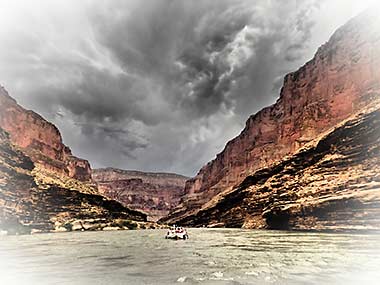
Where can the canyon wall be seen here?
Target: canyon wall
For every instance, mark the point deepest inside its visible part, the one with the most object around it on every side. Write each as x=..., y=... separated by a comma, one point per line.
x=153, y=193
x=333, y=183
x=41, y=140
x=341, y=79
x=54, y=164
x=26, y=206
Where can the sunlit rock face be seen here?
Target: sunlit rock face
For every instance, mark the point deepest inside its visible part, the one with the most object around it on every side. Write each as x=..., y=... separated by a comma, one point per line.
x=153, y=193
x=40, y=139
x=341, y=79
x=25, y=205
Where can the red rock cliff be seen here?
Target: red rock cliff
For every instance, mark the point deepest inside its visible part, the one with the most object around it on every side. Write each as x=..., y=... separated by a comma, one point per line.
x=333, y=183
x=342, y=78
x=26, y=206
x=154, y=193
x=40, y=139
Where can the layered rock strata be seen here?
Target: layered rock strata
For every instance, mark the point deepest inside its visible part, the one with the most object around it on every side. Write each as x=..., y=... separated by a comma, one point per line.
x=54, y=165
x=41, y=140
x=332, y=184
x=153, y=193
x=341, y=79
x=27, y=206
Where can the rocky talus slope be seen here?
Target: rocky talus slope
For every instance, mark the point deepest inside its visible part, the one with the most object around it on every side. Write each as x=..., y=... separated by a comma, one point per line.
x=333, y=183
x=341, y=79
x=26, y=206
x=153, y=193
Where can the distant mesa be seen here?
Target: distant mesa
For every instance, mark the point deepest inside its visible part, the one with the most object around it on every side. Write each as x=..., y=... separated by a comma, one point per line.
x=153, y=193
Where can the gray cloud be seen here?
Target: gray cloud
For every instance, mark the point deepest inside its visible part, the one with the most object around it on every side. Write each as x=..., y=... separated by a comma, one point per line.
x=157, y=85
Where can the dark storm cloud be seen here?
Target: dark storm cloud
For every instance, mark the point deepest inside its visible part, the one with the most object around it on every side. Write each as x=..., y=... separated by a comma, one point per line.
x=157, y=84
x=196, y=49
x=126, y=141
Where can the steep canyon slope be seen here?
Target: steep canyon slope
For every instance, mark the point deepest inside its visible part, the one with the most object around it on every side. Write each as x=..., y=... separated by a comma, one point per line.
x=41, y=141
x=333, y=183
x=25, y=205
x=342, y=79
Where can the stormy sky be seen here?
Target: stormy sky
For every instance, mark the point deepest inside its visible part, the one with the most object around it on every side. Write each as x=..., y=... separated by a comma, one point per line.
x=157, y=85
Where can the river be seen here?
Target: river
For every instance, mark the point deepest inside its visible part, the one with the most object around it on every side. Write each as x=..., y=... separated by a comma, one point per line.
x=210, y=256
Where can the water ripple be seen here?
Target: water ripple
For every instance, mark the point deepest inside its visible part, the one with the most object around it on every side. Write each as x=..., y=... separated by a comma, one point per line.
x=211, y=256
